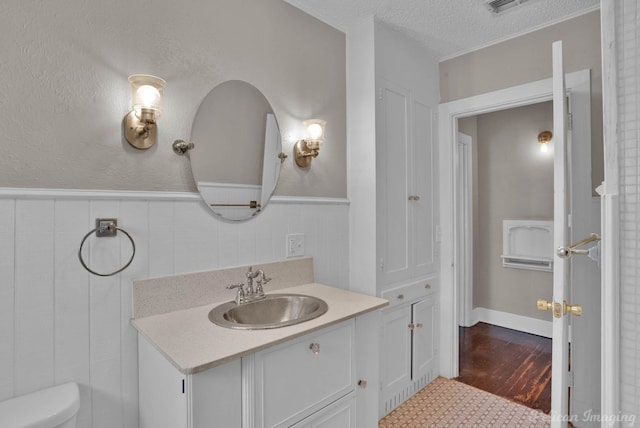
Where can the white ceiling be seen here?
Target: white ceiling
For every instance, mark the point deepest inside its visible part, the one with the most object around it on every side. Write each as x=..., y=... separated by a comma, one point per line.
x=447, y=27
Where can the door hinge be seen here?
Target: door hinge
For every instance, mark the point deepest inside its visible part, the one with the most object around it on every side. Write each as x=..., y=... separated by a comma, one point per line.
x=381, y=94
x=570, y=121
x=571, y=379
x=381, y=265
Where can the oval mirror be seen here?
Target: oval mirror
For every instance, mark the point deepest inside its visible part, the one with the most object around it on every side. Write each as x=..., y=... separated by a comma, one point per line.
x=235, y=160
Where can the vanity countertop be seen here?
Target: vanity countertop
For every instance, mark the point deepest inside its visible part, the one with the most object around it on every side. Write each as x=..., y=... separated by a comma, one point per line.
x=193, y=343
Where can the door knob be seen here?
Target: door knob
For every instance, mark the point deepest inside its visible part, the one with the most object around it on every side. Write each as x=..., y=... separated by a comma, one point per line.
x=544, y=305
x=574, y=309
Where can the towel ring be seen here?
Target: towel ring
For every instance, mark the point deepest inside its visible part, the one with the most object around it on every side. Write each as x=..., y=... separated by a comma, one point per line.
x=103, y=228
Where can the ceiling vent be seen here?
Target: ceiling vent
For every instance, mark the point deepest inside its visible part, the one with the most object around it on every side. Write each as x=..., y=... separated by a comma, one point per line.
x=497, y=6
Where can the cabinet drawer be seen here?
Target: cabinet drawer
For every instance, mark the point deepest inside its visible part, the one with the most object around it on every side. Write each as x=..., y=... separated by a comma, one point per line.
x=295, y=379
x=412, y=291
x=340, y=414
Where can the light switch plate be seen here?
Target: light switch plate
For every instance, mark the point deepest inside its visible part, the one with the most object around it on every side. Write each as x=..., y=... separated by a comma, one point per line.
x=295, y=245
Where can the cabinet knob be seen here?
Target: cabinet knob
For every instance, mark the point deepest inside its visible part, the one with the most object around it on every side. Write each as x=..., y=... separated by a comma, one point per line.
x=362, y=383
x=427, y=286
x=315, y=348
x=419, y=325
x=411, y=326
x=400, y=296
x=416, y=198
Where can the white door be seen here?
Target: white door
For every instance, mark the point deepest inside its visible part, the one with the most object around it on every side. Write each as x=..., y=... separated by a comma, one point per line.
x=578, y=279
x=560, y=348
x=464, y=231
x=561, y=281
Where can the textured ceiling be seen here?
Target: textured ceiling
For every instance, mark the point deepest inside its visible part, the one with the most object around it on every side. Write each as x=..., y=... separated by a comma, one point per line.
x=447, y=27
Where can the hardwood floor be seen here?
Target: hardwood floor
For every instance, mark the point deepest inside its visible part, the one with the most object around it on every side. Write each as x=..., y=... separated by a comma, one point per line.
x=507, y=363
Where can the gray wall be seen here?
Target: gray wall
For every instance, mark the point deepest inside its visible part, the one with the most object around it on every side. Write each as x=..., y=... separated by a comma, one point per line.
x=64, y=89
x=514, y=182
x=528, y=58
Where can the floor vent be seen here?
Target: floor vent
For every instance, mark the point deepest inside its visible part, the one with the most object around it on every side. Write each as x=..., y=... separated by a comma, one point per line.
x=497, y=6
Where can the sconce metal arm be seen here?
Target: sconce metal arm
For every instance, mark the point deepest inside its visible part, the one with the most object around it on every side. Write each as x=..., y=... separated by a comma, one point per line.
x=181, y=147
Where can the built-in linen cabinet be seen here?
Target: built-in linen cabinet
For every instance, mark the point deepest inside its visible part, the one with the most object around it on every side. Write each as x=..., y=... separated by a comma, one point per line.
x=308, y=381
x=406, y=180
x=406, y=238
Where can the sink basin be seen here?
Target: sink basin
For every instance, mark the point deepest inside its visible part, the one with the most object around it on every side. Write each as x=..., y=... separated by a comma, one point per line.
x=275, y=310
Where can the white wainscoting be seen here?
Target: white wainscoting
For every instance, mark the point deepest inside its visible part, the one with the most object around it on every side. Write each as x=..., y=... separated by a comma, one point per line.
x=59, y=323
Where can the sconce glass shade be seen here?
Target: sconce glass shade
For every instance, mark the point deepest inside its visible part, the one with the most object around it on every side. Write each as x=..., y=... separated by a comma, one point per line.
x=146, y=106
x=307, y=148
x=315, y=133
x=146, y=93
x=544, y=138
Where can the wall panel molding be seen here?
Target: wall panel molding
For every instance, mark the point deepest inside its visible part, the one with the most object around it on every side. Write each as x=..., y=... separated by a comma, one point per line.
x=80, y=194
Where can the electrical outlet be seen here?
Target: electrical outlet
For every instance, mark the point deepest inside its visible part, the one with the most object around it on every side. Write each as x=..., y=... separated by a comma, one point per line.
x=295, y=245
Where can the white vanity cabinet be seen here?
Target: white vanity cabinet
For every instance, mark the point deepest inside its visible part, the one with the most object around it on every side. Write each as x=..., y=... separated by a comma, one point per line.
x=309, y=381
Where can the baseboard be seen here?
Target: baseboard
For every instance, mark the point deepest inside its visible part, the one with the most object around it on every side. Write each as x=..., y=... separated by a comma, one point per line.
x=512, y=321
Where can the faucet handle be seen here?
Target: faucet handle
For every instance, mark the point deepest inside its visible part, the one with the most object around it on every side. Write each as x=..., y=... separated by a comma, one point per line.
x=240, y=294
x=260, y=281
x=232, y=286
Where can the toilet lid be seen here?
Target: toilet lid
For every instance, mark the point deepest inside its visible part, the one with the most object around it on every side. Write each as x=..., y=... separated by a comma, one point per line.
x=41, y=409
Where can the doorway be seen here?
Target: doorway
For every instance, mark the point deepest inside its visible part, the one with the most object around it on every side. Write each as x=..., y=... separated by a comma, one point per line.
x=505, y=195
x=586, y=331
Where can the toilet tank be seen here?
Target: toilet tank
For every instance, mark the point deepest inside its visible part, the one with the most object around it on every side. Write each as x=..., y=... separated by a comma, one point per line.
x=54, y=407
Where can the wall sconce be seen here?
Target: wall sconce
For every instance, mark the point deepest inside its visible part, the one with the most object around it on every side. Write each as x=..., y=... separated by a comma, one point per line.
x=308, y=148
x=146, y=106
x=544, y=138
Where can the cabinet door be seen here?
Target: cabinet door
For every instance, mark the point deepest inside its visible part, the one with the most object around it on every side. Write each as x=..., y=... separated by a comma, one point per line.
x=393, y=187
x=341, y=414
x=425, y=318
x=395, y=364
x=406, y=185
x=162, y=390
x=293, y=380
x=216, y=396
x=423, y=204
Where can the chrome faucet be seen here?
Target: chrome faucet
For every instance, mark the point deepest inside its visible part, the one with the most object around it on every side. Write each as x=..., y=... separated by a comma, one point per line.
x=248, y=293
